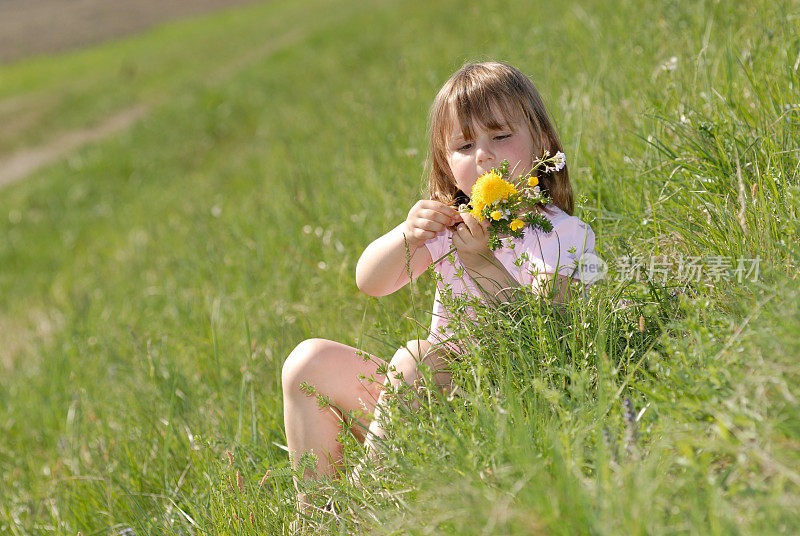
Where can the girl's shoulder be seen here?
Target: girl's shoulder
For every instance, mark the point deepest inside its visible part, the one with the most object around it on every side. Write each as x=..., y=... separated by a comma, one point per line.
x=567, y=232
x=560, y=249
x=563, y=222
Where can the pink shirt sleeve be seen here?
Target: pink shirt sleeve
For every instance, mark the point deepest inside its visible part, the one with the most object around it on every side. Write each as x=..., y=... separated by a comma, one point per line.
x=559, y=250
x=439, y=244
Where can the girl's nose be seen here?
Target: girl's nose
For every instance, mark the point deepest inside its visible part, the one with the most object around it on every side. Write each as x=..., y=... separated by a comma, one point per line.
x=484, y=154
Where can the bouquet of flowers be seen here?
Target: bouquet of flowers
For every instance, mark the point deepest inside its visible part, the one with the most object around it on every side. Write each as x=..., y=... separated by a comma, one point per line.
x=509, y=206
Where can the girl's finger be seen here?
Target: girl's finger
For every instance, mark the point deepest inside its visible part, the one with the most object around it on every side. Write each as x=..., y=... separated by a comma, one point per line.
x=473, y=225
x=441, y=208
x=465, y=235
x=453, y=218
x=458, y=240
x=431, y=225
x=432, y=209
x=433, y=215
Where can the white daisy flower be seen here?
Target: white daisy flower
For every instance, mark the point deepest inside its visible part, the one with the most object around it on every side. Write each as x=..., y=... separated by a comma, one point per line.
x=671, y=64
x=560, y=160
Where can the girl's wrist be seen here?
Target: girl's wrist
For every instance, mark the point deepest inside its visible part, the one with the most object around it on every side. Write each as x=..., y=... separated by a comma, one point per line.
x=479, y=262
x=408, y=238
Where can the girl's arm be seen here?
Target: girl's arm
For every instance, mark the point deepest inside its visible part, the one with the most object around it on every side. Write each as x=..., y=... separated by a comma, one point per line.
x=497, y=284
x=558, y=289
x=384, y=266
x=491, y=277
x=493, y=280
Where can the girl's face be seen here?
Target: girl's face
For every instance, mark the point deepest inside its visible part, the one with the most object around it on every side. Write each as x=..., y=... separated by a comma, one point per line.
x=471, y=158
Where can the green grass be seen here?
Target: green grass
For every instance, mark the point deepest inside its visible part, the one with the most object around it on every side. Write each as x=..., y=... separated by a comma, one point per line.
x=56, y=93
x=150, y=287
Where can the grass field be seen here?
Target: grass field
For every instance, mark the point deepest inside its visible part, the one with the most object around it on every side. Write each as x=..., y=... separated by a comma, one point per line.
x=153, y=283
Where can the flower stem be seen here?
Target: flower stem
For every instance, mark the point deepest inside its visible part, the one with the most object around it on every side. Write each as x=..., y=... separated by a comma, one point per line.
x=452, y=250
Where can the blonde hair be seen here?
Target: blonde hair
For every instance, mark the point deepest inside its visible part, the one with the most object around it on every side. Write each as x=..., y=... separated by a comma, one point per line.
x=472, y=94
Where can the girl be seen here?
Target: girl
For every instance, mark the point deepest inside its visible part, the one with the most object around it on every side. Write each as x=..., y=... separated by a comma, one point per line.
x=485, y=113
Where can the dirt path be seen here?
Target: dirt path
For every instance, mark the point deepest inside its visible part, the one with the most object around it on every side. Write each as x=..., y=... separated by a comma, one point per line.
x=30, y=27
x=22, y=163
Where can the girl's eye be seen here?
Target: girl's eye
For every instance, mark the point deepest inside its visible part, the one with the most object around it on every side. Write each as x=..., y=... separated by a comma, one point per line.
x=465, y=147
x=502, y=136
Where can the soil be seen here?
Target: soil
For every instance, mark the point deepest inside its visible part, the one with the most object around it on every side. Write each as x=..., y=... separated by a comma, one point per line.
x=33, y=27
x=24, y=162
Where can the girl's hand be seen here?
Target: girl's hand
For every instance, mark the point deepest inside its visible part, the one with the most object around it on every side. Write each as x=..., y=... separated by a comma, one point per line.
x=426, y=219
x=471, y=239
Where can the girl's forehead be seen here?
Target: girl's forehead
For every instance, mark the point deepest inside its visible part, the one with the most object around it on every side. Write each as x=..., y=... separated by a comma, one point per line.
x=463, y=125
x=481, y=109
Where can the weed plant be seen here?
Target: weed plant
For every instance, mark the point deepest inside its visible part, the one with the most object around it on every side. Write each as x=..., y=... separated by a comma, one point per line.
x=153, y=283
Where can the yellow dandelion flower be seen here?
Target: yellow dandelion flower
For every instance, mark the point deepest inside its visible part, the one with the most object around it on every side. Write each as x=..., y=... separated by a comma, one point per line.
x=496, y=215
x=489, y=188
x=477, y=209
x=517, y=224
x=533, y=181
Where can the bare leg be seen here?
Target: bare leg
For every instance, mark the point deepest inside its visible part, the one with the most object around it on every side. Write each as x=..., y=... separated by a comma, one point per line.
x=406, y=362
x=332, y=368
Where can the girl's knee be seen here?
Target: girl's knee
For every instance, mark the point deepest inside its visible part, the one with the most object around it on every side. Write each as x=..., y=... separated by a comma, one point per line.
x=302, y=361
x=407, y=359
x=419, y=348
